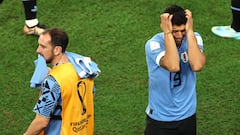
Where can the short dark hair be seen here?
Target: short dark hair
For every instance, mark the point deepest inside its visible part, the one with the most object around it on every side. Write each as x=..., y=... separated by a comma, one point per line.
x=178, y=13
x=58, y=37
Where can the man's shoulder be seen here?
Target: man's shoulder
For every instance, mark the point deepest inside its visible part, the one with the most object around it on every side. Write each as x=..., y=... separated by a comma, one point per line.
x=49, y=81
x=196, y=33
x=156, y=38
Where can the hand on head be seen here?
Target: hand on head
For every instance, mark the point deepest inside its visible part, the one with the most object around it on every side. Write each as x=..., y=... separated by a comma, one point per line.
x=189, y=24
x=166, y=24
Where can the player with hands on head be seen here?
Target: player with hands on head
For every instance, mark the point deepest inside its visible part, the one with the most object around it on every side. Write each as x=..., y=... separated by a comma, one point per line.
x=173, y=57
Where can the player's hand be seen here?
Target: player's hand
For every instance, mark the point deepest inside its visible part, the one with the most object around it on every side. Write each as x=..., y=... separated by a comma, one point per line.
x=166, y=24
x=189, y=24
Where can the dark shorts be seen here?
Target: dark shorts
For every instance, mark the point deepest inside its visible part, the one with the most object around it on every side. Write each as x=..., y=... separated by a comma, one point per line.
x=183, y=127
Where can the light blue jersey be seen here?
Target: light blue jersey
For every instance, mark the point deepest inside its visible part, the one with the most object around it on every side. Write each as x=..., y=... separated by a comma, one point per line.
x=47, y=105
x=172, y=96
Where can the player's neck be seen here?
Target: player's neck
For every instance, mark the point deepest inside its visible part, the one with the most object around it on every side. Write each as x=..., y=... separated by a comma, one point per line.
x=61, y=59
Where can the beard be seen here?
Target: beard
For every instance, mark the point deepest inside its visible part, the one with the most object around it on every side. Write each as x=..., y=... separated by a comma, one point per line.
x=49, y=60
x=178, y=42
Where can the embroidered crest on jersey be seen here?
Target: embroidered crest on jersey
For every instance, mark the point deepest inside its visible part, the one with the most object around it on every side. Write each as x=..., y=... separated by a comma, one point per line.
x=154, y=45
x=184, y=57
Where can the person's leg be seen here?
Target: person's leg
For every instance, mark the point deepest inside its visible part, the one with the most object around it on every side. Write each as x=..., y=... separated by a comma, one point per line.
x=189, y=126
x=30, y=10
x=154, y=127
x=32, y=26
x=235, y=15
x=232, y=30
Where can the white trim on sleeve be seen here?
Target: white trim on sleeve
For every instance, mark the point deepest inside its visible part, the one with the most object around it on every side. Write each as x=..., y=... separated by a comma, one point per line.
x=160, y=55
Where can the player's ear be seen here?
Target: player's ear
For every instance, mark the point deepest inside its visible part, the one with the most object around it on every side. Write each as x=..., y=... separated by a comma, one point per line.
x=57, y=50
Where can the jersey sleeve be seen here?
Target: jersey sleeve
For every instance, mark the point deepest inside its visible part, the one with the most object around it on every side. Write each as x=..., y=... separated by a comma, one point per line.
x=155, y=49
x=199, y=41
x=48, y=100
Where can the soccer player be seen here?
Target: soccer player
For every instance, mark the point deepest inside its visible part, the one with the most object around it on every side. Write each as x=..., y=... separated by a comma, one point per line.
x=173, y=57
x=65, y=106
x=232, y=31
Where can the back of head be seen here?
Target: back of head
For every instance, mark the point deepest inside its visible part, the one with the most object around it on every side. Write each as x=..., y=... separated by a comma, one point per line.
x=58, y=37
x=178, y=13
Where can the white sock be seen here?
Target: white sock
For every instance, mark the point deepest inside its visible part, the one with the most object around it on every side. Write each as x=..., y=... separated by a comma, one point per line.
x=31, y=23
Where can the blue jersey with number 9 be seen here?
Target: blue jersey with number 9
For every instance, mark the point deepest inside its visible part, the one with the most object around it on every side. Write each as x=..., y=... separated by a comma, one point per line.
x=172, y=96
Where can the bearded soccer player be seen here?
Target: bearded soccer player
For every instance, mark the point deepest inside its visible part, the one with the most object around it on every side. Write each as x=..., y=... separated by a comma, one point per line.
x=65, y=105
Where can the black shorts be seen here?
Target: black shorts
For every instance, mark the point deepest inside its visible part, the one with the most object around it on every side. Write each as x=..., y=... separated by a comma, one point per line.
x=183, y=127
